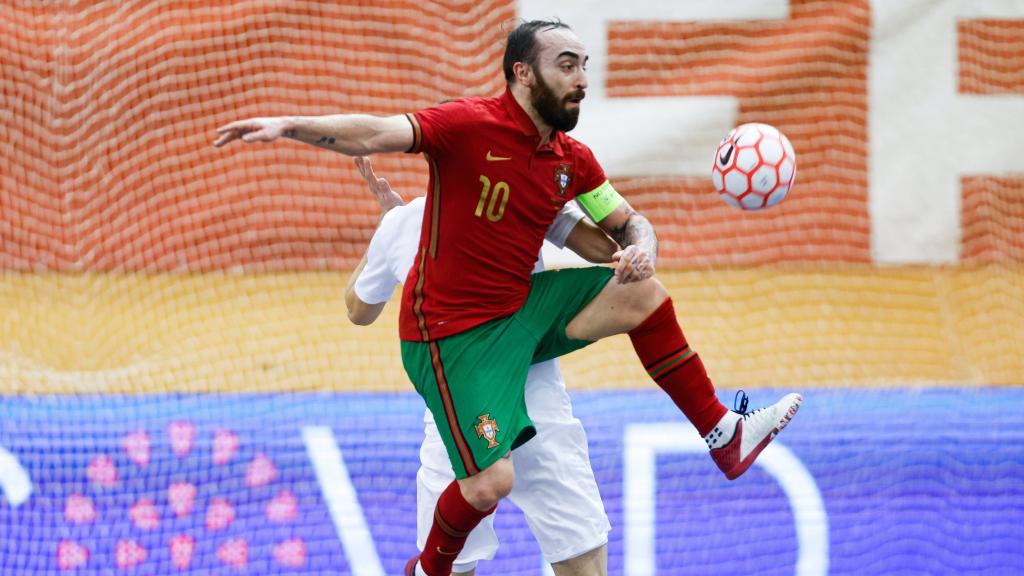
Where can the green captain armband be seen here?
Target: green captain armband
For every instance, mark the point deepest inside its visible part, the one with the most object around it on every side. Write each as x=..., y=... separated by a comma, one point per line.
x=601, y=201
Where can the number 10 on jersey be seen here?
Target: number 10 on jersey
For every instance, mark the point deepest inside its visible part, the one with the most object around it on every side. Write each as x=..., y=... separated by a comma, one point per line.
x=498, y=198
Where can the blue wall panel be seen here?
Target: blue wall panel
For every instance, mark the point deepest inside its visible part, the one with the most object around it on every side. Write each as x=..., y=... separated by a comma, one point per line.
x=912, y=482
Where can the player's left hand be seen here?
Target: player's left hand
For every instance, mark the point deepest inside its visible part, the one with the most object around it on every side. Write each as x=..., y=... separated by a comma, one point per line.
x=633, y=265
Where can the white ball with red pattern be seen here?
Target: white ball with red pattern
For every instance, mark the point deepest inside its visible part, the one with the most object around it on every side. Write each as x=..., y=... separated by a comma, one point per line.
x=754, y=167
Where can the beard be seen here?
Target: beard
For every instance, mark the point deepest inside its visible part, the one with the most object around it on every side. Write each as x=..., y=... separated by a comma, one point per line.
x=552, y=109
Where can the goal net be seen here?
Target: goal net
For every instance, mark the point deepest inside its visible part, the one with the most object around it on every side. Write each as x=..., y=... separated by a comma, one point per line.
x=182, y=391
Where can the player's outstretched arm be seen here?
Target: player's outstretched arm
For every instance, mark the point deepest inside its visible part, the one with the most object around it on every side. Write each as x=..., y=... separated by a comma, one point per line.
x=360, y=312
x=591, y=243
x=630, y=229
x=352, y=134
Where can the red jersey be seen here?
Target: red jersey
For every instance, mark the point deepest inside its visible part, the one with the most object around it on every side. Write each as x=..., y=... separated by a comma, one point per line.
x=492, y=196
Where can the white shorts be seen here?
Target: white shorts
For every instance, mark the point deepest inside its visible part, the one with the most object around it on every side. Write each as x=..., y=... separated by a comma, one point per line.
x=554, y=486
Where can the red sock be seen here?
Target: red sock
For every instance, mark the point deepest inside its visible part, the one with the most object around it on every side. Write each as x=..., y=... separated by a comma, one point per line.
x=454, y=519
x=668, y=359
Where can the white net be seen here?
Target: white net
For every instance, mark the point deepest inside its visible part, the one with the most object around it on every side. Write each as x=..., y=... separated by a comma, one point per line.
x=183, y=392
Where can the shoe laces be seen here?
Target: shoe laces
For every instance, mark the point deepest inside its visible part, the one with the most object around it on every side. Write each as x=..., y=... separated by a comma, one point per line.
x=739, y=405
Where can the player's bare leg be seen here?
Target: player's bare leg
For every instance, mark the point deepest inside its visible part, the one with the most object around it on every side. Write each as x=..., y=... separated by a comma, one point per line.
x=593, y=563
x=644, y=310
x=485, y=489
x=617, y=309
x=460, y=508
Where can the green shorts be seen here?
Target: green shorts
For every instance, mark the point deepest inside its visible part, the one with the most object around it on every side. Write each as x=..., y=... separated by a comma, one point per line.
x=474, y=382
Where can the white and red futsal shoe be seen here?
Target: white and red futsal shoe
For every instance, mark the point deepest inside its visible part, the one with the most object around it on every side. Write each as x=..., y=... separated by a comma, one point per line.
x=740, y=436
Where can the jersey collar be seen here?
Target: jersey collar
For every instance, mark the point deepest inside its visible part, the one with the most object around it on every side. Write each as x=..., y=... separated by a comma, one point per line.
x=526, y=125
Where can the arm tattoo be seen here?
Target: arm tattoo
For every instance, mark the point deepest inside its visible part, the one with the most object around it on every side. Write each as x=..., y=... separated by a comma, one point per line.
x=638, y=231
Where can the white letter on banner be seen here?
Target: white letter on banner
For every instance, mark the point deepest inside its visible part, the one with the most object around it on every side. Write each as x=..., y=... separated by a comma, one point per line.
x=14, y=480
x=642, y=444
x=923, y=134
x=655, y=136
x=663, y=136
x=342, y=502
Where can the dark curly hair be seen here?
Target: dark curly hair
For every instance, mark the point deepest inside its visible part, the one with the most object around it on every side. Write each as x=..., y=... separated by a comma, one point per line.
x=522, y=44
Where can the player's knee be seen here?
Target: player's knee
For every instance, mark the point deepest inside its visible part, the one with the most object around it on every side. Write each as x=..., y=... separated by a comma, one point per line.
x=657, y=293
x=484, y=495
x=644, y=297
x=489, y=486
x=501, y=479
x=500, y=488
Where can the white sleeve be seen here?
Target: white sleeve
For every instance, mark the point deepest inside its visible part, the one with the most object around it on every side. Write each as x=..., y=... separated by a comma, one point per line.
x=376, y=283
x=567, y=218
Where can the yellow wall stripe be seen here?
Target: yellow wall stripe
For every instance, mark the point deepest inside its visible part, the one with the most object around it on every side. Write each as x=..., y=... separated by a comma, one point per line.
x=796, y=327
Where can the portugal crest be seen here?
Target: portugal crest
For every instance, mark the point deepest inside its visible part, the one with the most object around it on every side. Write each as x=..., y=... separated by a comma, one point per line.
x=563, y=177
x=487, y=429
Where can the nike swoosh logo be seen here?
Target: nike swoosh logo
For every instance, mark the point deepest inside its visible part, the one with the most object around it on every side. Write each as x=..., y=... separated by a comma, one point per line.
x=724, y=159
x=493, y=158
x=439, y=551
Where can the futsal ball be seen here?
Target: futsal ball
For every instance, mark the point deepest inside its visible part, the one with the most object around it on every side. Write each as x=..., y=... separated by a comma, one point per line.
x=755, y=167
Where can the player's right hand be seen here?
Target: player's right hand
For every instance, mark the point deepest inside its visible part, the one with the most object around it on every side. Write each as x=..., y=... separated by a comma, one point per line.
x=252, y=130
x=632, y=265
x=387, y=197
